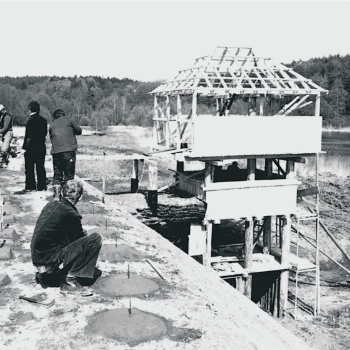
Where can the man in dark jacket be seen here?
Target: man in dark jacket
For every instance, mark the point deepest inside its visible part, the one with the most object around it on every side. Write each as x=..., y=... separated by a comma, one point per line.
x=60, y=239
x=63, y=131
x=35, y=147
x=6, y=135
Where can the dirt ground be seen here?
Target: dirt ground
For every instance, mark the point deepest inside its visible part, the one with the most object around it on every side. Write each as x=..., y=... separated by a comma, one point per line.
x=151, y=295
x=327, y=331
x=332, y=322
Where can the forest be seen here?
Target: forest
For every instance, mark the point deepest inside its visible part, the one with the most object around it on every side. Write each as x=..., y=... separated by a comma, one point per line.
x=100, y=102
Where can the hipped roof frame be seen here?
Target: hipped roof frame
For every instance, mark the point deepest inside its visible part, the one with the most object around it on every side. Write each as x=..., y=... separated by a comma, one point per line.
x=236, y=70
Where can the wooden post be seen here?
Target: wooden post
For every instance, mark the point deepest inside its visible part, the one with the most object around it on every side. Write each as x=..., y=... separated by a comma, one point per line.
x=317, y=105
x=218, y=107
x=267, y=219
x=155, y=122
x=261, y=105
x=209, y=178
x=104, y=177
x=167, y=123
x=207, y=254
x=290, y=171
x=248, y=255
x=194, y=105
x=317, y=258
x=193, y=116
x=178, y=123
x=135, y=176
x=251, y=165
x=249, y=234
x=285, y=250
x=152, y=197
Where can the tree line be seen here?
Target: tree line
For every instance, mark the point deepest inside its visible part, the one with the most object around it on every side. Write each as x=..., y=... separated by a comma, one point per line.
x=92, y=100
x=331, y=73
x=100, y=102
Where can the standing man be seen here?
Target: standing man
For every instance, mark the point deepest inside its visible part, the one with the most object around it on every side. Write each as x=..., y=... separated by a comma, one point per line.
x=6, y=135
x=35, y=147
x=59, y=239
x=63, y=131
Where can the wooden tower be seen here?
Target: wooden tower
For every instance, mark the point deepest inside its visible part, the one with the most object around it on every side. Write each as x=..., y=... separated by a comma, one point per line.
x=265, y=138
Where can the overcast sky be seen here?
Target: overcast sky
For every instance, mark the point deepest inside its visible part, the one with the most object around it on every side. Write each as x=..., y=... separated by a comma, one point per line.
x=153, y=40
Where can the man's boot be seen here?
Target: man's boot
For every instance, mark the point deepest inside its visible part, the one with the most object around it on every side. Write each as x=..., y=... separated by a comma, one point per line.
x=57, y=192
x=70, y=285
x=5, y=159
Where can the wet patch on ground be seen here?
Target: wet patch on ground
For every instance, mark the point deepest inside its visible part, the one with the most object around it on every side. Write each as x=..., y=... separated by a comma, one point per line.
x=95, y=219
x=108, y=232
x=133, y=327
x=119, y=252
x=90, y=208
x=126, y=285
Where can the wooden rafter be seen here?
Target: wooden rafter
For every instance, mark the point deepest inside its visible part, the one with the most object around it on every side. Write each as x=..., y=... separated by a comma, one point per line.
x=236, y=70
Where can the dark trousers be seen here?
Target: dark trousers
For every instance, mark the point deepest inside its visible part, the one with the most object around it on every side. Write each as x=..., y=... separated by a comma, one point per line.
x=35, y=160
x=63, y=167
x=79, y=257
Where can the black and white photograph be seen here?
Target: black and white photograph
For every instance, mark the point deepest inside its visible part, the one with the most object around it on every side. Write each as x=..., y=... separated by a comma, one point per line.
x=175, y=175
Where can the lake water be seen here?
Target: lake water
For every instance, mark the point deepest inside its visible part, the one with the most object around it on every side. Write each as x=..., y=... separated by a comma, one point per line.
x=336, y=160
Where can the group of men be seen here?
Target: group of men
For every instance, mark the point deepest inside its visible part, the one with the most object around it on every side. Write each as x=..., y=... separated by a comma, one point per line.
x=62, y=252
x=63, y=131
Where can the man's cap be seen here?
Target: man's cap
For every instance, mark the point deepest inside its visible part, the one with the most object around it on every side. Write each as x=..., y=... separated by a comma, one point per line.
x=2, y=107
x=58, y=112
x=34, y=106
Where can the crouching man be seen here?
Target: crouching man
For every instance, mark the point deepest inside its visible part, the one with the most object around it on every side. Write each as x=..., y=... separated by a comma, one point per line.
x=60, y=239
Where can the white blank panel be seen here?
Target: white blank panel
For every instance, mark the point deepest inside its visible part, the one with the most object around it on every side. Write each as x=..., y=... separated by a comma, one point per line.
x=259, y=135
x=234, y=200
x=197, y=240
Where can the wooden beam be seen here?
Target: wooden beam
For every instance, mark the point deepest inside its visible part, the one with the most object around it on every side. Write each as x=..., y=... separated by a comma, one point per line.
x=166, y=150
x=261, y=105
x=296, y=105
x=295, y=159
x=285, y=250
x=248, y=254
x=243, y=156
x=135, y=176
x=308, y=192
x=286, y=107
x=331, y=236
x=155, y=123
x=249, y=234
x=178, y=123
x=279, y=167
x=194, y=105
x=290, y=171
x=207, y=255
x=152, y=196
x=251, y=165
x=178, y=181
x=209, y=178
x=321, y=251
x=167, y=123
x=185, y=125
x=267, y=219
x=317, y=105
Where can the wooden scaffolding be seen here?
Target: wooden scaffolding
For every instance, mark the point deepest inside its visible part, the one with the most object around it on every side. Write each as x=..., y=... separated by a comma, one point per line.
x=266, y=139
